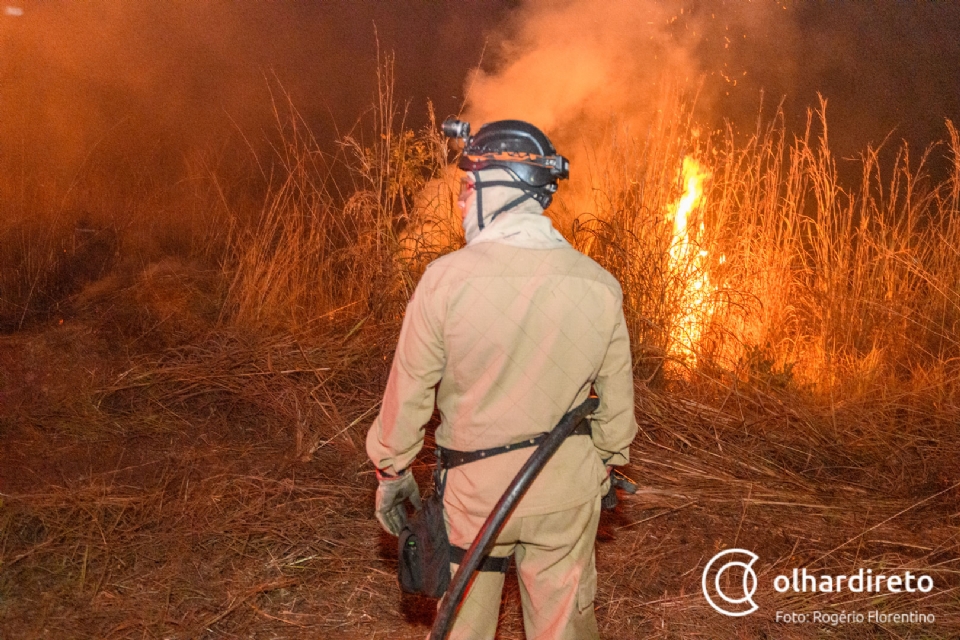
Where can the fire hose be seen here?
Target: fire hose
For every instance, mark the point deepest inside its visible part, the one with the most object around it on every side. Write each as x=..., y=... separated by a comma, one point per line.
x=494, y=523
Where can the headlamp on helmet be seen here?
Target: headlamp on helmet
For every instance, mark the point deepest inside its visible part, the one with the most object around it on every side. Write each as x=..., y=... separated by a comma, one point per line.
x=453, y=128
x=516, y=146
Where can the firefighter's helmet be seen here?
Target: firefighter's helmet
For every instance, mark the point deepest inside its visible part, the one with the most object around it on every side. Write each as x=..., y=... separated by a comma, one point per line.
x=516, y=146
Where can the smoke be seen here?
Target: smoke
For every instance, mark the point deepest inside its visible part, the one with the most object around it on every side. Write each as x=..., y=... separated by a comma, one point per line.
x=587, y=72
x=108, y=101
x=568, y=64
x=571, y=66
x=566, y=61
x=116, y=86
x=122, y=95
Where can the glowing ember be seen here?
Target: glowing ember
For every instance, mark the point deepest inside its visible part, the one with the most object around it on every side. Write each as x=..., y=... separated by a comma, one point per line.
x=688, y=264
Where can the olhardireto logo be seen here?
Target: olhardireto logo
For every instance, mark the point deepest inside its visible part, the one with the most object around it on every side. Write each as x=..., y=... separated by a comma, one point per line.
x=729, y=583
x=742, y=604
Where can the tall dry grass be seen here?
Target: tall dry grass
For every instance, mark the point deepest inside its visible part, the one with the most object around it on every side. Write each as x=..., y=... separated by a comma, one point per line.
x=817, y=284
x=330, y=230
x=298, y=230
x=839, y=288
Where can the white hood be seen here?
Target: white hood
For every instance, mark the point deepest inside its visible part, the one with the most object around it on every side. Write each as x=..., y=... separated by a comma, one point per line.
x=523, y=225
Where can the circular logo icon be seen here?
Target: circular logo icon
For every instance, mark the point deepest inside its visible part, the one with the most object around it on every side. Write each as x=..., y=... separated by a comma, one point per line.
x=742, y=604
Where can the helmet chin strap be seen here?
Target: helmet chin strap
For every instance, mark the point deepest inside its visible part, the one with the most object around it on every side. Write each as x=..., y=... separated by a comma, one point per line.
x=528, y=193
x=476, y=183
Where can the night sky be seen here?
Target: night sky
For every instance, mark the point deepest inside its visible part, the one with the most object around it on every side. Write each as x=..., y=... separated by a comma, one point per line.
x=130, y=78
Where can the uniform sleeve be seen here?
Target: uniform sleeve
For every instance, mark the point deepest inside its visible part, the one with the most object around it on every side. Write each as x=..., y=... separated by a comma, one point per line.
x=614, y=423
x=396, y=436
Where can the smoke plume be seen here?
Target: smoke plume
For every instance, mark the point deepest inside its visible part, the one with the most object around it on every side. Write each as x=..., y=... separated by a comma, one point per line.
x=570, y=66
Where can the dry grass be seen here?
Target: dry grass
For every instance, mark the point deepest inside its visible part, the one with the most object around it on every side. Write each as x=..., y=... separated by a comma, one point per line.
x=209, y=487
x=317, y=247
x=184, y=457
x=851, y=290
x=222, y=491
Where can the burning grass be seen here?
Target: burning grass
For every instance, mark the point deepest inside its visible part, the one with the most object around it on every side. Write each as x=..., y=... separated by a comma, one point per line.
x=183, y=456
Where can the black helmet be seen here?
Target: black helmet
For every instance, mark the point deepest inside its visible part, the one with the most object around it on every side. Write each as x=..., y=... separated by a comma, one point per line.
x=516, y=146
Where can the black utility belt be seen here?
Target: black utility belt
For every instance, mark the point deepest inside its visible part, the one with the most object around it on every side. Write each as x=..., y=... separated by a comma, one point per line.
x=450, y=458
x=425, y=552
x=489, y=563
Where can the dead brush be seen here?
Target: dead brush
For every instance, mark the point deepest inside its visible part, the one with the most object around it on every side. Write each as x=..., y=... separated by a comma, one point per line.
x=307, y=386
x=127, y=557
x=315, y=249
x=835, y=284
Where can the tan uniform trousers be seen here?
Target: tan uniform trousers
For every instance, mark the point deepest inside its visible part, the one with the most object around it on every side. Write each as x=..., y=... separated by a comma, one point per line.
x=554, y=556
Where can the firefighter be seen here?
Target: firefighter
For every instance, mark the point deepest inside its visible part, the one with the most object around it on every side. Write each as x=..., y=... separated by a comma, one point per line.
x=506, y=335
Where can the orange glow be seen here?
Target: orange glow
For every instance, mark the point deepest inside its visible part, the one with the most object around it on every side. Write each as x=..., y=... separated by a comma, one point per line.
x=688, y=263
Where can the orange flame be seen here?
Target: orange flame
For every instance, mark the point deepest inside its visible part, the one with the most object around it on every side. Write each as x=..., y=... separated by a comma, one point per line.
x=688, y=264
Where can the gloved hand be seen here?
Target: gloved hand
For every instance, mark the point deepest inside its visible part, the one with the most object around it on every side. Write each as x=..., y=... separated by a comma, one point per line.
x=615, y=480
x=609, y=500
x=390, y=496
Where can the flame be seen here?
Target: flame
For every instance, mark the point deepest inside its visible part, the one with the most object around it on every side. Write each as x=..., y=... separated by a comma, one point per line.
x=688, y=264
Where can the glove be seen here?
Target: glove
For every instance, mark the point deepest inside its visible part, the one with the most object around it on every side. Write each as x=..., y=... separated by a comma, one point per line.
x=615, y=480
x=609, y=500
x=390, y=496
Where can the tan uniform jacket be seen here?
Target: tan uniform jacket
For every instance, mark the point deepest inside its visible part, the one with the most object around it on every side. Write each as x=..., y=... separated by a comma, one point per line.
x=515, y=337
